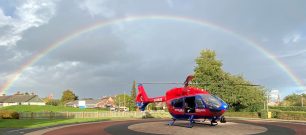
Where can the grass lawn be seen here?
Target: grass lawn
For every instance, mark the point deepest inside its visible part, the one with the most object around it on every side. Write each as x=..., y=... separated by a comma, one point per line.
x=24, y=123
x=47, y=108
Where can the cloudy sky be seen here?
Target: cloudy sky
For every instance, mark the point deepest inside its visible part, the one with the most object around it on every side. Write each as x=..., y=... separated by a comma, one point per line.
x=257, y=39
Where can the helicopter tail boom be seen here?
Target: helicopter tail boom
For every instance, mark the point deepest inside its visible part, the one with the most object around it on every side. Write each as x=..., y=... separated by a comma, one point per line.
x=143, y=100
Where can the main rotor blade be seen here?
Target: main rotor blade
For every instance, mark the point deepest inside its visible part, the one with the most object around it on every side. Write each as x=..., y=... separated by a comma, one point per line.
x=160, y=83
x=198, y=83
x=225, y=84
x=248, y=84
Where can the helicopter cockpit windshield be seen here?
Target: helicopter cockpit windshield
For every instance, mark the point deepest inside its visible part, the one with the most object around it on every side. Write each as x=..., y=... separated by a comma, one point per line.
x=211, y=102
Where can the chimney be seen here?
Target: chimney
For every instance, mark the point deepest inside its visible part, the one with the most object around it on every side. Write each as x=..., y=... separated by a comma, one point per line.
x=17, y=93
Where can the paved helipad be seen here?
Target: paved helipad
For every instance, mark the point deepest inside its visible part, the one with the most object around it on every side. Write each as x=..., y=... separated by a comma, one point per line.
x=179, y=128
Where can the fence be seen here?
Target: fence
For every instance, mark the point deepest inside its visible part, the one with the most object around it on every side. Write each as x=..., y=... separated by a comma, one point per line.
x=242, y=114
x=106, y=114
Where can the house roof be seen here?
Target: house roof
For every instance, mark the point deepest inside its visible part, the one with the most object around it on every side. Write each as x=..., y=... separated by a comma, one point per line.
x=3, y=98
x=20, y=98
x=107, y=101
x=107, y=97
x=72, y=102
x=94, y=101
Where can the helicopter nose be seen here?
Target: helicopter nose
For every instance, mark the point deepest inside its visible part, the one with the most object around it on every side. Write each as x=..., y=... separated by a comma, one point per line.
x=224, y=107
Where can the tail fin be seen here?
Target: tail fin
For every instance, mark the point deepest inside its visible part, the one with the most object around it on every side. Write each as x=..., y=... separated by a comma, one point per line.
x=142, y=95
x=143, y=100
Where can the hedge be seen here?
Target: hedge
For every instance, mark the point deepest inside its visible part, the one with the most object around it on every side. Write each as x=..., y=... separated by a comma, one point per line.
x=286, y=115
x=8, y=114
x=242, y=114
x=277, y=114
x=289, y=108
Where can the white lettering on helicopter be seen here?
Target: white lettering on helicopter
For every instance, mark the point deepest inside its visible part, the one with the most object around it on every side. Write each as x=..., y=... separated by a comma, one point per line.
x=158, y=99
x=179, y=110
x=200, y=110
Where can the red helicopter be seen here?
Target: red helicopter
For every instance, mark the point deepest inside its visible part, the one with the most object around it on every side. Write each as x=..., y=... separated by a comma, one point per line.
x=187, y=103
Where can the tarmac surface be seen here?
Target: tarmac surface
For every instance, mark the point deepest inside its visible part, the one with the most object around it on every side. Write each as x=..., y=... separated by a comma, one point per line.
x=158, y=126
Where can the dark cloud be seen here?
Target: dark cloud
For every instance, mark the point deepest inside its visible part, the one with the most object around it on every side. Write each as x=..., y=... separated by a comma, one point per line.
x=94, y=49
x=105, y=61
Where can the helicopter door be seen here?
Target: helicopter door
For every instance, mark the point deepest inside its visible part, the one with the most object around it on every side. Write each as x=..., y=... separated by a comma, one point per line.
x=189, y=105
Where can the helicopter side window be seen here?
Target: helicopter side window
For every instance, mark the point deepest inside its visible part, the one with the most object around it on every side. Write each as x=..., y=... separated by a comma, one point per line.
x=211, y=102
x=199, y=102
x=178, y=103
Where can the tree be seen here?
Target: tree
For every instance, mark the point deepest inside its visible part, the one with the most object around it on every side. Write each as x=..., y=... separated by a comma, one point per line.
x=54, y=102
x=209, y=71
x=122, y=100
x=294, y=100
x=87, y=99
x=133, y=97
x=68, y=96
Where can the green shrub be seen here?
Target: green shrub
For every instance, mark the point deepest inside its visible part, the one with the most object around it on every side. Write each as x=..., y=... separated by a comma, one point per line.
x=289, y=115
x=7, y=114
x=242, y=114
x=278, y=114
x=54, y=102
x=263, y=114
x=274, y=113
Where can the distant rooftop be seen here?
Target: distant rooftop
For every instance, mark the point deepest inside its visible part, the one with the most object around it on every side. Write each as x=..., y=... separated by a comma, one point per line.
x=19, y=98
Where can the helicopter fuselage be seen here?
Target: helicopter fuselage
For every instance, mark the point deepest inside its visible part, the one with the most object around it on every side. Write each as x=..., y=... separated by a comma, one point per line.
x=186, y=101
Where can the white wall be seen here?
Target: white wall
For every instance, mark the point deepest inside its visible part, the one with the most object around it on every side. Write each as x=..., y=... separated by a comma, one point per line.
x=9, y=104
x=37, y=103
x=24, y=103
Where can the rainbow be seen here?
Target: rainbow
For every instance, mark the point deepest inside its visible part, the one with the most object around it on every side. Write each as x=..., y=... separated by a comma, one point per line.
x=105, y=23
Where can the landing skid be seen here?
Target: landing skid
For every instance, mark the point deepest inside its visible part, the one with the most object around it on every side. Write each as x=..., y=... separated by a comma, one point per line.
x=213, y=123
x=190, y=125
x=171, y=123
x=191, y=121
x=222, y=119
